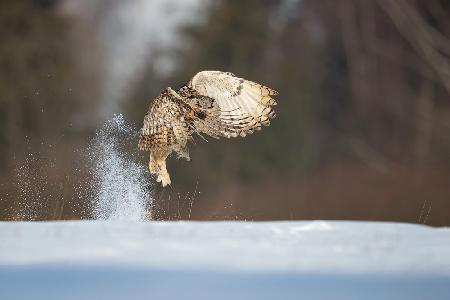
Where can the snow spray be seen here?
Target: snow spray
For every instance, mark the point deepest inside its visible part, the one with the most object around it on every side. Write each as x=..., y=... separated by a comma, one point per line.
x=121, y=187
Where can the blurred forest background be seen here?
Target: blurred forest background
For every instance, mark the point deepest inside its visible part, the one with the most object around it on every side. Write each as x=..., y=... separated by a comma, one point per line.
x=363, y=126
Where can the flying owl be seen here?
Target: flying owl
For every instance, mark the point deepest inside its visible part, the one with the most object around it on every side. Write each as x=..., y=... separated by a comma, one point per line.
x=214, y=103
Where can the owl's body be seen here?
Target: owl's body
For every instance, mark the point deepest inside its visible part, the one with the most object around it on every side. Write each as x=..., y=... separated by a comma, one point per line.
x=215, y=103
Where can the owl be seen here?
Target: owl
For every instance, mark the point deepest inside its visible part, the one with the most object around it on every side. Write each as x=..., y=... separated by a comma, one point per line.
x=213, y=103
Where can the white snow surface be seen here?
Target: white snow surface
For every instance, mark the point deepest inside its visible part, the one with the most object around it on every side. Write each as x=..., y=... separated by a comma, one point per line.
x=223, y=260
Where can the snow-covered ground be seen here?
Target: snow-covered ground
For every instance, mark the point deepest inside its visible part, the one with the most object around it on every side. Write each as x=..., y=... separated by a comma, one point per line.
x=223, y=260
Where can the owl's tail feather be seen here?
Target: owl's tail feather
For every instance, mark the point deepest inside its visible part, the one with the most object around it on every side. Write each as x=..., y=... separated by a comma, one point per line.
x=157, y=165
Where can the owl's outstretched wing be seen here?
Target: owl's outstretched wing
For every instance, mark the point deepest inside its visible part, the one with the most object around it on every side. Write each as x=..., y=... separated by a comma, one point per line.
x=239, y=108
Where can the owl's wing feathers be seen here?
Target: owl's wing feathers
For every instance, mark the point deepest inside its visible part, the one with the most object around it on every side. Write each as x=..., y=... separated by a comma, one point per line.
x=216, y=103
x=206, y=113
x=239, y=108
x=164, y=124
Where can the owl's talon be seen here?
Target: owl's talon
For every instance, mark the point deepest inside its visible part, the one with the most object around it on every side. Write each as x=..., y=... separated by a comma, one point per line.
x=164, y=179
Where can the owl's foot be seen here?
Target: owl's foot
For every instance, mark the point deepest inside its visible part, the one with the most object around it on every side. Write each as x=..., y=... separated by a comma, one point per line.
x=164, y=178
x=184, y=156
x=182, y=152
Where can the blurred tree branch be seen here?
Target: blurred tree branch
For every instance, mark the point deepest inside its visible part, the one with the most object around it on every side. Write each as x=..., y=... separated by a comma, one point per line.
x=426, y=40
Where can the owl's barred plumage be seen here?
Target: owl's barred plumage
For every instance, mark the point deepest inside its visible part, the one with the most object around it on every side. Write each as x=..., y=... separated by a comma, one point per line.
x=214, y=103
